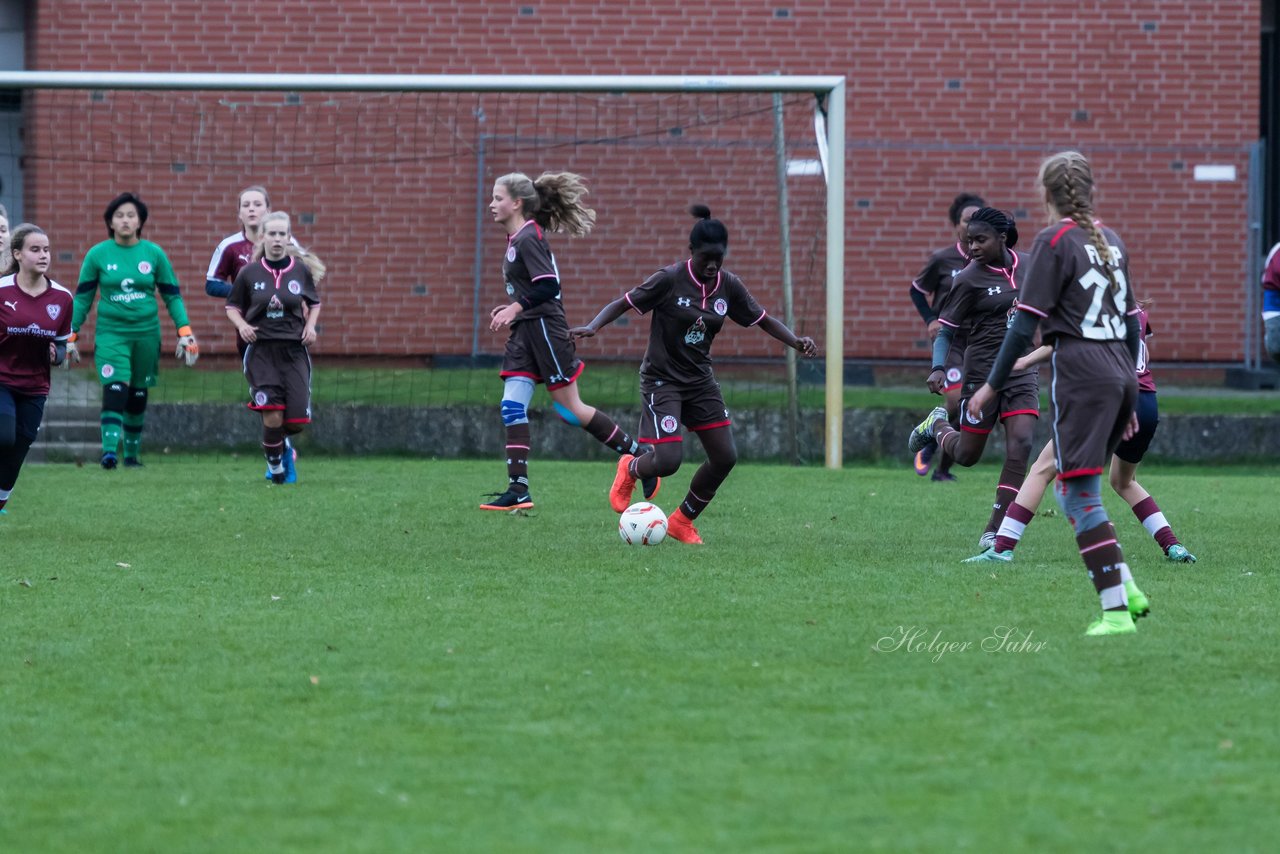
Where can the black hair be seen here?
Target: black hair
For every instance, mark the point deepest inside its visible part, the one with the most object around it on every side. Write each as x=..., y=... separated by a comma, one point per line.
x=707, y=230
x=962, y=201
x=124, y=199
x=1001, y=222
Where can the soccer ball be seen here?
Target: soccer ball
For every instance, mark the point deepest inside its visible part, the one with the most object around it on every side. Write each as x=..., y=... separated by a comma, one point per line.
x=643, y=524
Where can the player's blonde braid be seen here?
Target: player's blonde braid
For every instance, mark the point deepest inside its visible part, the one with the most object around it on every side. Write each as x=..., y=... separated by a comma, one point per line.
x=1069, y=181
x=560, y=206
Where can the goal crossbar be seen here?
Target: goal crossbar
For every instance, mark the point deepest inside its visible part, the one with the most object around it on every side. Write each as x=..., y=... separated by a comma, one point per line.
x=829, y=92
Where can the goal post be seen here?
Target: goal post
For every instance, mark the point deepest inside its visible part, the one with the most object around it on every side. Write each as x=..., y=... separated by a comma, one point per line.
x=828, y=93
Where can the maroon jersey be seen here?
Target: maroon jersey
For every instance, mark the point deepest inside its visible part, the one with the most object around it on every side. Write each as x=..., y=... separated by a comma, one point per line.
x=687, y=315
x=232, y=255
x=1271, y=270
x=28, y=325
x=272, y=299
x=981, y=304
x=1146, y=382
x=1067, y=285
x=528, y=265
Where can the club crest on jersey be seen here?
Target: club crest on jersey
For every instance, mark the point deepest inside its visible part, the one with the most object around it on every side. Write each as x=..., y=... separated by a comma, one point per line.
x=668, y=424
x=697, y=333
x=721, y=307
x=953, y=376
x=108, y=372
x=684, y=302
x=511, y=254
x=295, y=287
x=53, y=311
x=144, y=267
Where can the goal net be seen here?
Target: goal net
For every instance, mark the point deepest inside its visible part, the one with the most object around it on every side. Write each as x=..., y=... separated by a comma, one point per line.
x=390, y=187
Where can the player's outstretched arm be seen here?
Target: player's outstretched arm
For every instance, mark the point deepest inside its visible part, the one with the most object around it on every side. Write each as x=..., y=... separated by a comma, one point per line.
x=777, y=329
x=607, y=315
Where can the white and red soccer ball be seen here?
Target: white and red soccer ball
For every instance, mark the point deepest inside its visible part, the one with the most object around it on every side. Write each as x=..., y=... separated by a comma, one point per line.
x=642, y=524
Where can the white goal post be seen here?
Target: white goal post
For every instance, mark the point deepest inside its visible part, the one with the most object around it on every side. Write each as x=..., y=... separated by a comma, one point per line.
x=828, y=91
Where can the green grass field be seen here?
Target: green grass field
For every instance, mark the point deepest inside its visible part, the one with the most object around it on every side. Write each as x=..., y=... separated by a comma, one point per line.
x=196, y=661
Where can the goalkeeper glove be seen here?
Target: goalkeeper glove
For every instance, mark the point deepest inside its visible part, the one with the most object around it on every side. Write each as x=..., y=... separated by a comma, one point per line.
x=73, y=353
x=187, y=347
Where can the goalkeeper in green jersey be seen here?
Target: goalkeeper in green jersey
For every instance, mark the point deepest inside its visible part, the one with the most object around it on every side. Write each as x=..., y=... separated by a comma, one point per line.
x=129, y=271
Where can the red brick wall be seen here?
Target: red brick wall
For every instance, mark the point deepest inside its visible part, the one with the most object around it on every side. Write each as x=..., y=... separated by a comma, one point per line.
x=942, y=98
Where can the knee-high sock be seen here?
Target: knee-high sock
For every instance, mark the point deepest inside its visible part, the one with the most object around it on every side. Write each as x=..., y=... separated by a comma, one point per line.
x=273, y=447
x=1012, y=475
x=518, y=436
x=1105, y=563
x=606, y=432
x=133, y=432
x=1148, y=513
x=112, y=426
x=1015, y=522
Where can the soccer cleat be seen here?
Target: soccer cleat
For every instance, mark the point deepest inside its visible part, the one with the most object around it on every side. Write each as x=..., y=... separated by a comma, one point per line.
x=987, y=540
x=1139, y=605
x=680, y=527
x=623, y=485
x=290, y=457
x=922, y=435
x=990, y=555
x=132, y=463
x=924, y=458
x=1111, y=623
x=1178, y=554
x=943, y=477
x=109, y=460
x=509, y=501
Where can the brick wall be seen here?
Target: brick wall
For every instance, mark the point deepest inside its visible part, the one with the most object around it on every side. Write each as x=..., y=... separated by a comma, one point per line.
x=941, y=99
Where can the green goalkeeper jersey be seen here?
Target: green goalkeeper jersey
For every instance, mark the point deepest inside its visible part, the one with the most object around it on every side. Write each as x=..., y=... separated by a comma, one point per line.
x=128, y=277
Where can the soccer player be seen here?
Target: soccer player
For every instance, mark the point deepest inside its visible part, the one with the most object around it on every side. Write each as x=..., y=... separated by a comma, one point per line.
x=129, y=271
x=1124, y=467
x=1078, y=285
x=981, y=302
x=1271, y=302
x=35, y=323
x=232, y=255
x=266, y=306
x=539, y=349
x=689, y=301
x=935, y=281
x=235, y=252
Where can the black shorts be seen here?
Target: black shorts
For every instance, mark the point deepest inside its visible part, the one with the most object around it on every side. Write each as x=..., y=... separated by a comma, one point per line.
x=542, y=350
x=1094, y=390
x=665, y=408
x=1135, y=448
x=279, y=375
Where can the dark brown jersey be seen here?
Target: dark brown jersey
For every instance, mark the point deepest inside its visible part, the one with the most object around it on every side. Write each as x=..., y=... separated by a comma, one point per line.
x=687, y=315
x=939, y=271
x=1067, y=286
x=980, y=304
x=528, y=267
x=271, y=300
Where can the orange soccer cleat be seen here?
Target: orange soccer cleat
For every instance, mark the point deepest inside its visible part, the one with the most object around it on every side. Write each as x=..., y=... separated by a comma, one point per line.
x=623, y=485
x=680, y=527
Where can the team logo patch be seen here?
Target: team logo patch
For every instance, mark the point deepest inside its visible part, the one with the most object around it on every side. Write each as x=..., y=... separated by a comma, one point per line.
x=108, y=372
x=721, y=307
x=668, y=424
x=969, y=416
x=511, y=253
x=953, y=376
x=295, y=287
x=54, y=311
x=260, y=398
x=144, y=267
